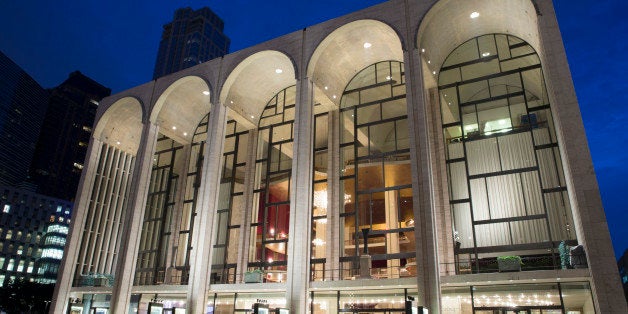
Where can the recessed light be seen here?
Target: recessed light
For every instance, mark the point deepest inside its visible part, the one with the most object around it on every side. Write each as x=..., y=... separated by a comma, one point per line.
x=252, y=117
x=434, y=72
x=388, y=77
x=423, y=50
x=205, y=92
x=474, y=15
x=334, y=96
x=232, y=101
x=174, y=127
x=278, y=71
x=367, y=45
x=185, y=133
x=118, y=142
x=486, y=54
x=326, y=88
x=428, y=61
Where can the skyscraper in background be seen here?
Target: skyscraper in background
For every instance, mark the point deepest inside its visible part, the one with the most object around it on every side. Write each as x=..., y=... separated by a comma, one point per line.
x=22, y=109
x=65, y=133
x=191, y=38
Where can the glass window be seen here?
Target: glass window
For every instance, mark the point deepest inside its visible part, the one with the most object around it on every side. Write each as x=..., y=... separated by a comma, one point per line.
x=273, y=169
x=375, y=173
x=505, y=176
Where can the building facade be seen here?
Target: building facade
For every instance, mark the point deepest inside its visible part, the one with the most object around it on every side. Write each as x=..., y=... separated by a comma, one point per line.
x=423, y=151
x=22, y=109
x=193, y=37
x=33, y=231
x=65, y=133
x=622, y=265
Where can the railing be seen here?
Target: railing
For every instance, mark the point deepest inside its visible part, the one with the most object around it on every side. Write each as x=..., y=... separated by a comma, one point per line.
x=528, y=263
x=354, y=273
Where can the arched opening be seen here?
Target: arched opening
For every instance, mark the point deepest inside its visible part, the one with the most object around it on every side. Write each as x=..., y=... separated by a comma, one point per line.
x=376, y=177
x=357, y=72
x=164, y=250
x=118, y=132
x=270, y=222
x=253, y=81
x=506, y=183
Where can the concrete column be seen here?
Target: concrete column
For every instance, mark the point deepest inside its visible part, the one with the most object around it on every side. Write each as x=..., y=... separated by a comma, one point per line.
x=335, y=198
x=301, y=200
x=175, y=222
x=204, y=230
x=422, y=185
x=133, y=217
x=584, y=194
x=75, y=236
x=245, y=227
x=392, y=216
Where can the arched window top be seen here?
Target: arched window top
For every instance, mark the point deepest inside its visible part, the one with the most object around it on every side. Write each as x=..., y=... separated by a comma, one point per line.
x=478, y=60
x=486, y=71
x=375, y=82
x=200, y=134
x=280, y=108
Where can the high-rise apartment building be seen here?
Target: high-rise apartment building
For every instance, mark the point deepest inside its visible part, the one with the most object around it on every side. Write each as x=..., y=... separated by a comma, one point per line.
x=422, y=152
x=193, y=37
x=33, y=231
x=22, y=108
x=65, y=133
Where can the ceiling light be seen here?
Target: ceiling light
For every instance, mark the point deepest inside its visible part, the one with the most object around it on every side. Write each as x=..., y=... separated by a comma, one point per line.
x=474, y=15
x=232, y=101
x=367, y=45
x=174, y=127
x=428, y=61
x=334, y=96
x=185, y=133
x=118, y=142
x=326, y=88
x=252, y=117
x=486, y=54
x=278, y=71
x=434, y=72
x=205, y=92
x=388, y=77
x=423, y=50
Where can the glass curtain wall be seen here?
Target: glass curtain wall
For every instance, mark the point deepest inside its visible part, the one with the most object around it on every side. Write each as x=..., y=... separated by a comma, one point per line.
x=162, y=258
x=553, y=297
x=270, y=216
x=375, y=173
x=506, y=183
x=160, y=204
x=320, y=197
x=180, y=264
x=231, y=204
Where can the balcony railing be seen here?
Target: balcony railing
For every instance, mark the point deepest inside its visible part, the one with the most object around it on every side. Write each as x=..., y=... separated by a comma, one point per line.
x=528, y=263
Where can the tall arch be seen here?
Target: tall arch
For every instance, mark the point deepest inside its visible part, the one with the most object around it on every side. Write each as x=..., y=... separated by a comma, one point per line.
x=508, y=193
x=253, y=81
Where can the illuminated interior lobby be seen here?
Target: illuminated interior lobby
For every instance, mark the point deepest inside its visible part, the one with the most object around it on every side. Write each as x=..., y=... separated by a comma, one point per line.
x=407, y=151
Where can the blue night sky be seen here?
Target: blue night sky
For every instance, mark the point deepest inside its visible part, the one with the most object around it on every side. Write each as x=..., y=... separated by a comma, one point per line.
x=115, y=42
